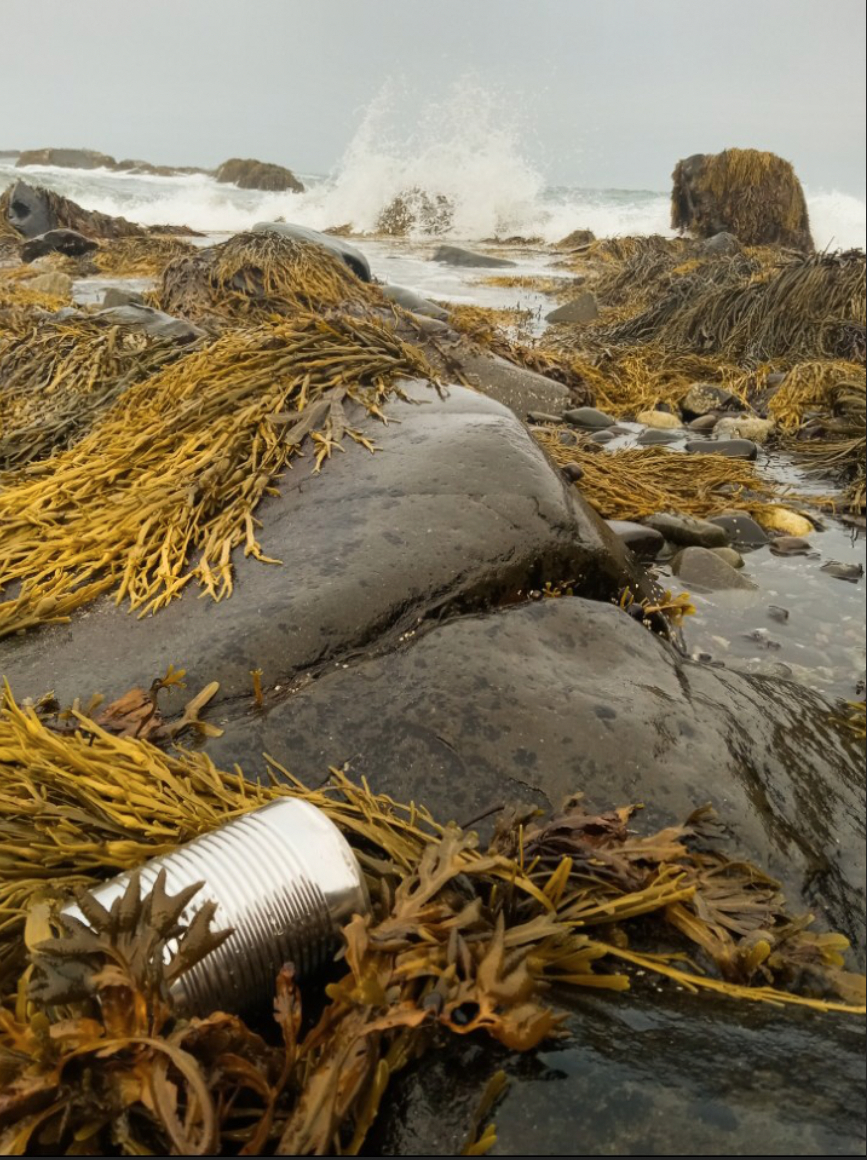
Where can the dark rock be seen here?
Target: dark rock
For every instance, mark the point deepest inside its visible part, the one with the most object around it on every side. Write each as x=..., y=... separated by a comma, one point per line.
x=66, y=159
x=686, y=531
x=791, y=546
x=704, y=397
x=116, y=296
x=459, y=506
x=153, y=322
x=580, y=309
x=645, y=542
x=704, y=423
x=456, y=256
x=573, y=471
x=703, y=568
x=841, y=571
x=28, y=210
x=248, y=173
x=775, y=612
x=505, y=705
x=353, y=258
x=731, y=448
x=656, y=436
x=33, y=211
x=517, y=388
x=68, y=242
x=603, y=436
x=409, y=300
x=742, y=530
x=722, y=244
x=575, y=239
x=589, y=418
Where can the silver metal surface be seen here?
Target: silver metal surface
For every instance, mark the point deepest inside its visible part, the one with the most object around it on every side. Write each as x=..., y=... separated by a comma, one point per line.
x=283, y=877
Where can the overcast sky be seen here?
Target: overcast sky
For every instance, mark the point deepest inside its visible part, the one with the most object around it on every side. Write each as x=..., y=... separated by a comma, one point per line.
x=608, y=92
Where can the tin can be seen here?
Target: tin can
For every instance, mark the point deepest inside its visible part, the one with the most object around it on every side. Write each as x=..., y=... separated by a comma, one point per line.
x=284, y=879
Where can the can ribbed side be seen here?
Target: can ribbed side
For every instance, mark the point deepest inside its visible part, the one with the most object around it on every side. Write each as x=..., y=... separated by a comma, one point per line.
x=283, y=877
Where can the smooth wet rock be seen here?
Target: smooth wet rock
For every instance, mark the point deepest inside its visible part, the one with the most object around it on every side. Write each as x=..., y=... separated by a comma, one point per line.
x=704, y=424
x=52, y=282
x=659, y=420
x=582, y=309
x=542, y=417
x=34, y=211
x=151, y=321
x=687, y=531
x=722, y=244
x=459, y=506
x=457, y=256
x=573, y=471
x=731, y=448
x=409, y=300
x=519, y=389
x=645, y=542
x=704, y=568
x=604, y=436
x=432, y=325
x=589, y=418
x=791, y=546
x=659, y=436
x=841, y=571
x=742, y=530
x=730, y=556
x=704, y=397
x=353, y=257
x=68, y=242
x=29, y=211
x=117, y=296
x=789, y=523
x=744, y=427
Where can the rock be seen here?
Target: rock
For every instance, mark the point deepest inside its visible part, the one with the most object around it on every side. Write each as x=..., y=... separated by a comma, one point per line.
x=744, y=427
x=659, y=420
x=580, y=309
x=657, y=436
x=686, y=531
x=432, y=325
x=841, y=571
x=456, y=256
x=722, y=244
x=573, y=471
x=247, y=173
x=704, y=397
x=541, y=417
x=704, y=423
x=690, y=1088
x=645, y=542
x=153, y=322
x=517, y=388
x=416, y=210
x=589, y=418
x=703, y=568
x=780, y=615
x=54, y=282
x=604, y=436
x=116, y=296
x=353, y=258
x=68, y=242
x=732, y=558
x=780, y=519
x=742, y=530
x=33, y=211
x=791, y=546
x=575, y=239
x=409, y=300
x=28, y=210
x=568, y=439
x=66, y=159
x=731, y=448
x=459, y=507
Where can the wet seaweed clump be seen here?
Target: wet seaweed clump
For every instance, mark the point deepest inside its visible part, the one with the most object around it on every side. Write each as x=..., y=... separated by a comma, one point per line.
x=139, y=257
x=461, y=941
x=256, y=277
x=754, y=195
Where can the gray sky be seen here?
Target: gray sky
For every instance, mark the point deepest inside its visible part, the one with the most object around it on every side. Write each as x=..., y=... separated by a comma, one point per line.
x=610, y=92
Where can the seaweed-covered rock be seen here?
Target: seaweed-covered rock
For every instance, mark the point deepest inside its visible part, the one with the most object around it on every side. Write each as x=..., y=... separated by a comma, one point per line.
x=247, y=173
x=53, y=282
x=33, y=211
x=575, y=239
x=353, y=257
x=66, y=159
x=703, y=398
x=416, y=210
x=753, y=195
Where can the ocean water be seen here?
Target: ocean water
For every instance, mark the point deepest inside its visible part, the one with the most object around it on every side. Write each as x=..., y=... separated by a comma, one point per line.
x=464, y=148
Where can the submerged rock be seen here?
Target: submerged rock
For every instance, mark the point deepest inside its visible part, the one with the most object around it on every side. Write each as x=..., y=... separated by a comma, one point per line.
x=791, y=546
x=841, y=571
x=705, y=568
x=687, y=531
x=248, y=173
x=457, y=256
x=336, y=245
x=580, y=309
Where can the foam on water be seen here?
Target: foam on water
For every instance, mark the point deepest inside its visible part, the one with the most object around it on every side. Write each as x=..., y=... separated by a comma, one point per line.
x=467, y=147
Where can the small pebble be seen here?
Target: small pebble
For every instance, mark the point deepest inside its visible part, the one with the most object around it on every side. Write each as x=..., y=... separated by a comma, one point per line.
x=775, y=612
x=573, y=471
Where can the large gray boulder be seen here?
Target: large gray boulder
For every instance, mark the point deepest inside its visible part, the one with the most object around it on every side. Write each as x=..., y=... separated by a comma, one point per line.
x=349, y=254
x=458, y=509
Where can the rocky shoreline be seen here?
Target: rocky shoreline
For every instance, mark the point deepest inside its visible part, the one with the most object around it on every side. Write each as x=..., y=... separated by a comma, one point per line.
x=489, y=608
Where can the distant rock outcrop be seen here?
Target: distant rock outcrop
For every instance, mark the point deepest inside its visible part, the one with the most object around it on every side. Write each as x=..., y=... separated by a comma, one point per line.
x=250, y=174
x=66, y=158
x=754, y=195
